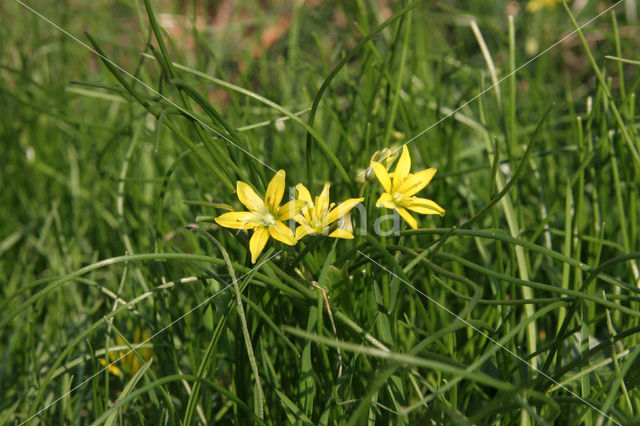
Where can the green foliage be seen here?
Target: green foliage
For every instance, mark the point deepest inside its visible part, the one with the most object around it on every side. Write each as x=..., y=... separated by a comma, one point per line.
x=520, y=306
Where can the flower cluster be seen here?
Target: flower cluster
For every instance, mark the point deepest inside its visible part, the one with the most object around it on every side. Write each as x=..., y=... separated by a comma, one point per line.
x=318, y=216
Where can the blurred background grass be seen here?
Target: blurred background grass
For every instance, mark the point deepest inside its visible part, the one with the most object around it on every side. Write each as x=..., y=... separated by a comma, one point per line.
x=88, y=173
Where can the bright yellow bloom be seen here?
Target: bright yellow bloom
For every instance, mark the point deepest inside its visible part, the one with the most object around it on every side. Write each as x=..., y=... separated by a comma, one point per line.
x=399, y=192
x=536, y=5
x=317, y=217
x=265, y=217
x=130, y=363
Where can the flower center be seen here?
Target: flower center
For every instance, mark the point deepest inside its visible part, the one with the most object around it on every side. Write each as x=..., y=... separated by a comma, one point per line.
x=318, y=225
x=397, y=197
x=267, y=218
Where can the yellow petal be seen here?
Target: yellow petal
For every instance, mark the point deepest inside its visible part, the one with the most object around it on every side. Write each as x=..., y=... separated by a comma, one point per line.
x=258, y=241
x=301, y=219
x=147, y=351
x=534, y=6
x=341, y=233
x=322, y=201
x=413, y=223
x=402, y=168
x=135, y=365
x=303, y=230
x=424, y=206
x=248, y=197
x=238, y=220
x=112, y=368
x=343, y=208
x=416, y=182
x=303, y=193
x=275, y=191
x=290, y=209
x=345, y=222
x=306, y=212
x=385, y=200
x=382, y=175
x=113, y=356
x=282, y=233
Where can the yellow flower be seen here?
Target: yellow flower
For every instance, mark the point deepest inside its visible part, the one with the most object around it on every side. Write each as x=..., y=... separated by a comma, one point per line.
x=130, y=363
x=536, y=5
x=265, y=217
x=399, y=192
x=317, y=217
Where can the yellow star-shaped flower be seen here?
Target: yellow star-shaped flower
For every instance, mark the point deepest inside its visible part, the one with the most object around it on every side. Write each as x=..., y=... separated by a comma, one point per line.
x=317, y=217
x=128, y=359
x=399, y=192
x=265, y=217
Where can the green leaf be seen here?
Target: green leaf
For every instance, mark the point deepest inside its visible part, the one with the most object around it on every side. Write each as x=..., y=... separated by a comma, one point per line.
x=127, y=389
x=293, y=409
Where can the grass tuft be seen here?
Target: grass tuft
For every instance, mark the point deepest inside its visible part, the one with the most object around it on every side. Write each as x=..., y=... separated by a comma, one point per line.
x=123, y=301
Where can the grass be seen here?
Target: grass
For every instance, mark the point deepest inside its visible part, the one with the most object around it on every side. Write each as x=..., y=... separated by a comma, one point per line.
x=520, y=306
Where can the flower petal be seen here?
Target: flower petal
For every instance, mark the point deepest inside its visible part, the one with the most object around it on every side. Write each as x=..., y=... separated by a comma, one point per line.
x=345, y=222
x=343, y=208
x=237, y=220
x=341, y=233
x=301, y=219
x=282, y=233
x=382, y=175
x=416, y=182
x=322, y=201
x=258, y=241
x=275, y=191
x=402, y=168
x=306, y=212
x=385, y=200
x=303, y=230
x=147, y=352
x=424, y=206
x=290, y=209
x=248, y=197
x=413, y=223
x=134, y=365
x=303, y=193
x=113, y=369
